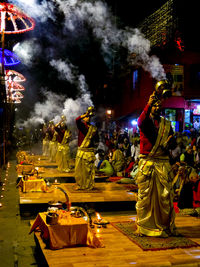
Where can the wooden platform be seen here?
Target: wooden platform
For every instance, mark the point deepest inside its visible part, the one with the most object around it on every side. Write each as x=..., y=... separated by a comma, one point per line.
x=41, y=161
x=110, y=192
x=120, y=251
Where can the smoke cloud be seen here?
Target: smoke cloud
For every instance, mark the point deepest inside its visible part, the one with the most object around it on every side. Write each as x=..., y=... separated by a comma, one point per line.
x=96, y=16
x=99, y=18
x=40, y=12
x=101, y=21
x=55, y=105
x=27, y=50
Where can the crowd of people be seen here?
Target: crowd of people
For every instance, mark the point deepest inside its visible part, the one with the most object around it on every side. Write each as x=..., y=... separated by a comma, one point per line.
x=118, y=155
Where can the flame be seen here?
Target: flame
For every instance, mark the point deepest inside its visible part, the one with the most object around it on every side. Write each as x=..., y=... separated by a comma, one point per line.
x=98, y=217
x=98, y=230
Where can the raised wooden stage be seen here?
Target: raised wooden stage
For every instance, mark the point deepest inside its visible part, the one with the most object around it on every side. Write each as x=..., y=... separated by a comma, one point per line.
x=109, y=196
x=108, y=192
x=120, y=251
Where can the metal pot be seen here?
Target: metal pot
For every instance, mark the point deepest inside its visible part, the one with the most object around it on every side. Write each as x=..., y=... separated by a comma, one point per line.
x=52, y=218
x=57, y=204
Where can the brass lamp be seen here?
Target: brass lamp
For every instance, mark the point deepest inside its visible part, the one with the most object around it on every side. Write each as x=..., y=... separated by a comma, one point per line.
x=162, y=89
x=90, y=111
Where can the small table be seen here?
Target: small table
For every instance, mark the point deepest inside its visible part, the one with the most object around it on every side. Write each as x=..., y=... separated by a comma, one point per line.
x=36, y=185
x=68, y=232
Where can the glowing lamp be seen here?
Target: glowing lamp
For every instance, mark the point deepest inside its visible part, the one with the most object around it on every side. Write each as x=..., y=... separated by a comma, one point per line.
x=109, y=112
x=17, y=95
x=13, y=20
x=10, y=58
x=17, y=101
x=99, y=221
x=13, y=86
x=134, y=122
x=12, y=75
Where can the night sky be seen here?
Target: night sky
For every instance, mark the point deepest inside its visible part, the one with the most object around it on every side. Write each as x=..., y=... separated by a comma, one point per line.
x=82, y=50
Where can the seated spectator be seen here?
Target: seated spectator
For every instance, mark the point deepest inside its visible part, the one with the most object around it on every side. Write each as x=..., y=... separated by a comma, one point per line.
x=135, y=149
x=133, y=174
x=188, y=156
x=185, y=140
x=184, y=183
x=118, y=160
x=129, y=164
x=106, y=168
x=175, y=154
x=126, y=148
x=135, y=137
x=98, y=155
x=197, y=157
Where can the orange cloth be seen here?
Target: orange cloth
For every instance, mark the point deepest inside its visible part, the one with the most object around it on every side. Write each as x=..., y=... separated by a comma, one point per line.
x=36, y=185
x=68, y=232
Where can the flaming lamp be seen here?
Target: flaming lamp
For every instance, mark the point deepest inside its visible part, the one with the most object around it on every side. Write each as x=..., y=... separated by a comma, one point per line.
x=99, y=221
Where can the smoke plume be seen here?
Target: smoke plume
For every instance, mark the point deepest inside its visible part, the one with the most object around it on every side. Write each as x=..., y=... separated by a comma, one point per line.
x=55, y=105
x=97, y=16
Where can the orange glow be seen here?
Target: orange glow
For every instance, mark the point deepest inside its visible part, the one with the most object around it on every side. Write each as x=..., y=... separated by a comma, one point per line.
x=98, y=230
x=98, y=217
x=109, y=111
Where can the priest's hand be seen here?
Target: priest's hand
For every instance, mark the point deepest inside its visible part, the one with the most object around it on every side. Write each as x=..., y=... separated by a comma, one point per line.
x=152, y=99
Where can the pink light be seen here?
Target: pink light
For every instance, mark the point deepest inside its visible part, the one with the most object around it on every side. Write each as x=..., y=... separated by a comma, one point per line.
x=12, y=75
x=17, y=101
x=13, y=86
x=17, y=95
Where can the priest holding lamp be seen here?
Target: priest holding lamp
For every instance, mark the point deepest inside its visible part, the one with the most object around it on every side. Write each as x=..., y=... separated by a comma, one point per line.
x=85, y=157
x=155, y=212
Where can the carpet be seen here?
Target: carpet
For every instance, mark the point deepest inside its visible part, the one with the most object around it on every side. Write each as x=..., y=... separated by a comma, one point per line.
x=152, y=243
x=131, y=187
x=72, y=189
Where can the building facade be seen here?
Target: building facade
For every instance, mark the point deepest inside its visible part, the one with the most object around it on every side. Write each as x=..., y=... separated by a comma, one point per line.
x=171, y=36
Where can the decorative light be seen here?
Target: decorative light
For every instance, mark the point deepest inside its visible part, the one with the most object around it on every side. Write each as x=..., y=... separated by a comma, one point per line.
x=109, y=111
x=10, y=58
x=134, y=122
x=17, y=95
x=13, y=86
x=14, y=76
x=13, y=20
x=17, y=101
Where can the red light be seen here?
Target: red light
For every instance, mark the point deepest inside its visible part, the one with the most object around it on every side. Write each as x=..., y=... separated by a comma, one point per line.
x=20, y=21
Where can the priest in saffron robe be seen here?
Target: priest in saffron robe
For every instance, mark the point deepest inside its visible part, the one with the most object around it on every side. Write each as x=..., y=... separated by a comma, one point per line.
x=85, y=157
x=63, y=150
x=155, y=212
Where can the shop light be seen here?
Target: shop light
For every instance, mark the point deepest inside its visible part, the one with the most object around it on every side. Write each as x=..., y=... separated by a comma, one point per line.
x=134, y=122
x=109, y=111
